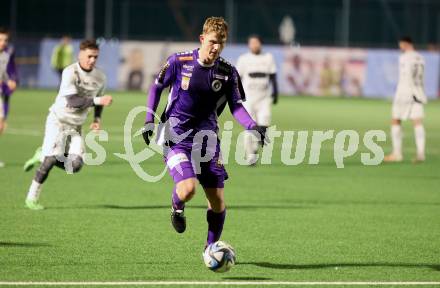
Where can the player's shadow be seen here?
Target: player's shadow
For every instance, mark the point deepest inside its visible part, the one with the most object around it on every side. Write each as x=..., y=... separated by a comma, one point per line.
x=247, y=278
x=339, y=265
x=23, y=244
x=230, y=207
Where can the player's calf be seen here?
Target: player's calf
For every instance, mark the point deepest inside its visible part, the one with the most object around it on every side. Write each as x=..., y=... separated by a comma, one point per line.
x=77, y=163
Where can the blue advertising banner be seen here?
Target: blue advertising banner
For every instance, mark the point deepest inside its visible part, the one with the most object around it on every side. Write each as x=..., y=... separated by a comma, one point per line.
x=108, y=61
x=382, y=73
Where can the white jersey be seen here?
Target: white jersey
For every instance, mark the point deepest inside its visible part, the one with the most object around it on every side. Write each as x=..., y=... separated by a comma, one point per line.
x=254, y=70
x=75, y=80
x=411, y=78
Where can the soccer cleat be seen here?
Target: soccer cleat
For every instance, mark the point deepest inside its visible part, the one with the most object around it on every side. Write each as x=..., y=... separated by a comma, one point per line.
x=33, y=161
x=418, y=160
x=178, y=220
x=393, y=158
x=33, y=205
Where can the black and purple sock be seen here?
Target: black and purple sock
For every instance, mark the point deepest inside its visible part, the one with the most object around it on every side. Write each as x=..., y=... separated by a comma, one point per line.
x=177, y=203
x=5, y=106
x=215, y=225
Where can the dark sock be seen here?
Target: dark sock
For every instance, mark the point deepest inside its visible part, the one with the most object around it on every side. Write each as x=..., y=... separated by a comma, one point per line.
x=215, y=225
x=177, y=203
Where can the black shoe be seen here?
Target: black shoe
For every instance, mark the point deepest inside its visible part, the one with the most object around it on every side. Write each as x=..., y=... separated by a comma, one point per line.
x=178, y=220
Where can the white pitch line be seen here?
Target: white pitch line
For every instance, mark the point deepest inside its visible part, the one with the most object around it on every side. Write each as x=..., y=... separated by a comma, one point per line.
x=223, y=283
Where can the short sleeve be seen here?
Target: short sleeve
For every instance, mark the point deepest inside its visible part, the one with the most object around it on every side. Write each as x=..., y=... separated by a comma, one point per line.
x=272, y=65
x=240, y=65
x=101, y=91
x=237, y=94
x=68, y=85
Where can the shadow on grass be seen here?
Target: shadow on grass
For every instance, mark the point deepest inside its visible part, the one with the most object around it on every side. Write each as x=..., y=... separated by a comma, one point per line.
x=23, y=244
x=230, y=207
x=247, y=278
x=297, y=204
x=339, y=265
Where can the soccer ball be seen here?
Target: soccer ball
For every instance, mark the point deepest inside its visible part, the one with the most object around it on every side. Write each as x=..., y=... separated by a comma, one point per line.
x=219, y=257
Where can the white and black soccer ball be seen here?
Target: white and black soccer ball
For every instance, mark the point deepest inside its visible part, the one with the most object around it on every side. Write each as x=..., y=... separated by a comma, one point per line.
x=219, y=257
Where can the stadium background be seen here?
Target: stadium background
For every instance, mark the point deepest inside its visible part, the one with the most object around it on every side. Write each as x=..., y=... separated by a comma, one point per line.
x=288, y=223
x=164, y=27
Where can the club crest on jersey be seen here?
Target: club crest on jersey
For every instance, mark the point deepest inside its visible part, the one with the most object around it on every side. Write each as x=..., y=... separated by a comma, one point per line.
x=185, y=83
x=216, y=85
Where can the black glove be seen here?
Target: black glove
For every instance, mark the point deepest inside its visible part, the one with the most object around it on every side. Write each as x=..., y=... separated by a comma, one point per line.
x=147, y=132
x=261, y=131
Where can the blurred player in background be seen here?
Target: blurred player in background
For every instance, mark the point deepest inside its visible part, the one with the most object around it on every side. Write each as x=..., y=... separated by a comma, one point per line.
x=408, y=101
x=8, y=72
x=62, y=55
x=2, y=164
x=202, y=83
x=258, y=72
x=82, y=87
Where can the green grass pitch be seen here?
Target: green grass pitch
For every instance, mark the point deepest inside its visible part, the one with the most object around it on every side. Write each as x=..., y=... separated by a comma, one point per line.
x=287, y=223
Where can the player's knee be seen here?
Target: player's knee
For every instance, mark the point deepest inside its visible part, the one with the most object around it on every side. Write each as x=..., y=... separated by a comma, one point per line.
x=77, y=164
x=395, y=122
x=187, y=189
x=417, y=122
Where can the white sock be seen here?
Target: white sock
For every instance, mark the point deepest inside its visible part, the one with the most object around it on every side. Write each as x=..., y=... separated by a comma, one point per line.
x=419, y=134
x=396, y=137
x=34, y=191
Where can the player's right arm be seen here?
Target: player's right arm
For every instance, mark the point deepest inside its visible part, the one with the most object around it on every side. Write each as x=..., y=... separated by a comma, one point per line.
x=164, y=78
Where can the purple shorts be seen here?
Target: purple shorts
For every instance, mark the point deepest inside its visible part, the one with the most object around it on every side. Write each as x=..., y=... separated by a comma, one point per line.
x=182, y=165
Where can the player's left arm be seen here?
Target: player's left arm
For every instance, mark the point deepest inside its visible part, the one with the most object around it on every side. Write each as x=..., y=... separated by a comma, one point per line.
x=96, y=124
x=235, y=98
x=273, y=79
x=11, y=70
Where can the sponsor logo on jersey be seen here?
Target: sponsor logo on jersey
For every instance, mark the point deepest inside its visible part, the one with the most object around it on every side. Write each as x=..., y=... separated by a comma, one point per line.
x=221, y=77
x=216, y=85
x=186, y=58
x=190, y=68
x=186, y=74
x=185, y=83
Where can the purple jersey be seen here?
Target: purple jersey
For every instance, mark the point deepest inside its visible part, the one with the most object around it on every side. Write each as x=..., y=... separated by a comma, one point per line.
x=198, y=93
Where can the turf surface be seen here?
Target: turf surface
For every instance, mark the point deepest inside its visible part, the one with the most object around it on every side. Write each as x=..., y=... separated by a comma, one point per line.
x=292, y=223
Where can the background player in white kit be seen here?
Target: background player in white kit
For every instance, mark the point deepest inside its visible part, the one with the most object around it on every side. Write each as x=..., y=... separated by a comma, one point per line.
x=1, y=126
x=258, y=73
x=82, y=86
x=408, y=101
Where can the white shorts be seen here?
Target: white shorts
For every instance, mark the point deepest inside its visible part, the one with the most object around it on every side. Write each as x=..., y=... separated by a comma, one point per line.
x=405, y=111
x=61, y=138
x=260, y=110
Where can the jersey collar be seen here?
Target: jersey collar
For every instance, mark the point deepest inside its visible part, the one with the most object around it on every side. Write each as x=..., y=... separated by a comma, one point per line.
x=200, y=61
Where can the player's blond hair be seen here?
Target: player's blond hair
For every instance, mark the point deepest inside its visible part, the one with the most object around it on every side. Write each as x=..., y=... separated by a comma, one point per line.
x=217, y=25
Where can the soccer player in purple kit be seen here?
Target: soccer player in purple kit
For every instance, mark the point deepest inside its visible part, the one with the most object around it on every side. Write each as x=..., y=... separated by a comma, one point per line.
x=201, y=83
x=8, y=71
